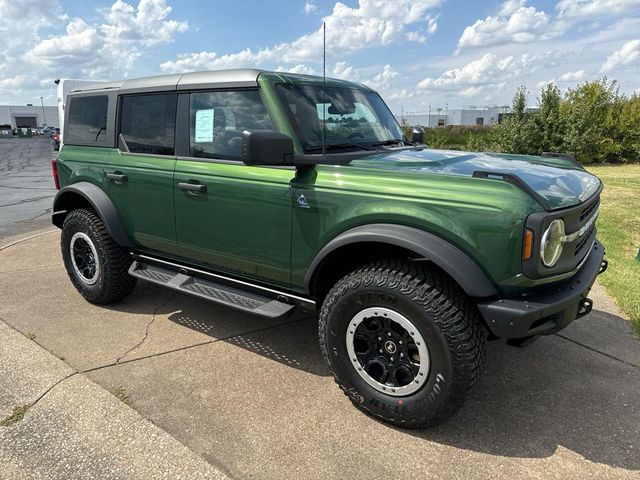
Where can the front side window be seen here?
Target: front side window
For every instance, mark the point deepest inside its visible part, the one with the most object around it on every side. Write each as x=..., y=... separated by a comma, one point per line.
x=148, y=123
x=346, y=117
x=87, y=121
x=217, y=120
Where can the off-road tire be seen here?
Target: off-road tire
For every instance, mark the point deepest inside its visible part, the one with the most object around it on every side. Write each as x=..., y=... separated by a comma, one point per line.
x=445, y=318
x=113, y=281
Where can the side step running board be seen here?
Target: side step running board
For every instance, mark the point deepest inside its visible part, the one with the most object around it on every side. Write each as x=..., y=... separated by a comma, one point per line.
x=209, y=290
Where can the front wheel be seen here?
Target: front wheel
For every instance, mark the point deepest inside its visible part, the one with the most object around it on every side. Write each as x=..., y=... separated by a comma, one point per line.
x=404, y=344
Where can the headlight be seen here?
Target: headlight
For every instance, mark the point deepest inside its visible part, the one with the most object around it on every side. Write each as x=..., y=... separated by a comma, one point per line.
x=552, y=243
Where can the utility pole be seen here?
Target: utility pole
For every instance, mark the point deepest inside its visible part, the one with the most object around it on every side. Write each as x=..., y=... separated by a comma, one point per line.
x=44, y=117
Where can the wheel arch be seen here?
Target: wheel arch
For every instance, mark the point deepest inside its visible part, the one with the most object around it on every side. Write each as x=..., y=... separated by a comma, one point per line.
x=379, y=241
x=88, y=195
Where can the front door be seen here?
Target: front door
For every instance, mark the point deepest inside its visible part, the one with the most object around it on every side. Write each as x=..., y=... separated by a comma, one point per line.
x=233, y=217
x=140, y=180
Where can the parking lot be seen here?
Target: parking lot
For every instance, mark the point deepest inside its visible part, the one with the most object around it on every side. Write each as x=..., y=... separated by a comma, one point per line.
x=253, y=398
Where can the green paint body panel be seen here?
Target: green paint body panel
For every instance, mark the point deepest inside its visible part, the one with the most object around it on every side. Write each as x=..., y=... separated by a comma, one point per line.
x=250, y=224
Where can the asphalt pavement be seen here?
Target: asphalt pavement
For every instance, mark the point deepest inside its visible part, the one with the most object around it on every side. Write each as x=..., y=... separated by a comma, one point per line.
x=26, y=185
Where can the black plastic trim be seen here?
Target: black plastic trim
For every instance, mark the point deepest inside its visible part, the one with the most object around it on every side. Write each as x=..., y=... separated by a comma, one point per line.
x=547, y=310
x=517, y=181
x=99, y=201
x=449, y=258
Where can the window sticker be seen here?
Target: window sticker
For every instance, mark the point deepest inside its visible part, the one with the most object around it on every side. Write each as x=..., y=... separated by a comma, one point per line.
x=204, y=126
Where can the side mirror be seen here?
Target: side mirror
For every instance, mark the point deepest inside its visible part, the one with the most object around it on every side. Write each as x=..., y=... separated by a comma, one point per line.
x=417, y=135
x=266, y=147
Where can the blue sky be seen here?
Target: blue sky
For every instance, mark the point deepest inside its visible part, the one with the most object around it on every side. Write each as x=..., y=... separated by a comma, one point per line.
x=415, y=52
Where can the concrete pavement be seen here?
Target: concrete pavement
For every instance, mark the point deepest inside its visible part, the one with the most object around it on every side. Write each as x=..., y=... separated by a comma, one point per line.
x=254, y=398
x=75, y=429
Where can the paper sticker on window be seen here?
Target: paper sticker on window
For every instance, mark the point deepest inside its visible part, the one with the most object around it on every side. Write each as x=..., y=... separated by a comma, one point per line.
x=204, y=126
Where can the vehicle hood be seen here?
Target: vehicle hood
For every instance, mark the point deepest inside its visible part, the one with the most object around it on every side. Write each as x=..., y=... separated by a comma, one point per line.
x=561, y=183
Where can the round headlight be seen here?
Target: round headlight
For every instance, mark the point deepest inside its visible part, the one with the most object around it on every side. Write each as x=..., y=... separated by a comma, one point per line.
x=552, y=243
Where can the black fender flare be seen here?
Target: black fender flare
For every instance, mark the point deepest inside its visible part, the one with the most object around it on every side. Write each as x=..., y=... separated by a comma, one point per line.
x=449, y=258
x=99, y=201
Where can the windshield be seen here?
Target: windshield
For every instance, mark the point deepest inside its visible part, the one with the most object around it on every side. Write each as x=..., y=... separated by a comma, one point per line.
x=355, y=119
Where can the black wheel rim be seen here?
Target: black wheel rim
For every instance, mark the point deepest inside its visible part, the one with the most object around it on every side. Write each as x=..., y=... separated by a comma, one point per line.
x=388, y=351
x=84, y=258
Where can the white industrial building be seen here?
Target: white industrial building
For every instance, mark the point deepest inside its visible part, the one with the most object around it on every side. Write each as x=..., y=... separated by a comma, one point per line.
x=28, y=116
x=464, y=116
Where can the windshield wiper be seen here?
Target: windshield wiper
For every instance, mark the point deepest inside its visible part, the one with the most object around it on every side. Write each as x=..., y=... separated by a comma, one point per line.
x=336, y=146
x=392, y=141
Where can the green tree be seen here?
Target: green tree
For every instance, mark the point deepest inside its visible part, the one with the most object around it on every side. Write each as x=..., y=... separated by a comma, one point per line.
x=628, y=129
x=549, y=124
x=517, y=133
x=591, y=112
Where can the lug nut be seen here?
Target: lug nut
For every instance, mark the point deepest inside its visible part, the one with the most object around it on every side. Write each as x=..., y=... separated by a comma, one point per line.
x=391, y=359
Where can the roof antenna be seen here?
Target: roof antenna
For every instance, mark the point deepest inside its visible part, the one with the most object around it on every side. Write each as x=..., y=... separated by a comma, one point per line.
x=324, y=85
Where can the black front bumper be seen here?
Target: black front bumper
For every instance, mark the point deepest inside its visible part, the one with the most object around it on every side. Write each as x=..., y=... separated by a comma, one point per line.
x=548, y=310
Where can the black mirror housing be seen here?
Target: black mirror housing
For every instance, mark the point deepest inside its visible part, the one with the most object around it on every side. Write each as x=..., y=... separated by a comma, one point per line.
x=417, y=135
x=266, y=147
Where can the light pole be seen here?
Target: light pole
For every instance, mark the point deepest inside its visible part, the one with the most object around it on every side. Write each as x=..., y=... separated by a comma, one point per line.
x=44, y=117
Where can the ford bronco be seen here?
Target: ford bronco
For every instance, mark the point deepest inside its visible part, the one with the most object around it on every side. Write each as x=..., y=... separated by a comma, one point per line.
x=266, y=191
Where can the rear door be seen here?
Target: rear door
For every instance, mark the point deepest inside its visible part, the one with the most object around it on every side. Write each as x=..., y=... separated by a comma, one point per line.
x=231, y=216
x=140, y=171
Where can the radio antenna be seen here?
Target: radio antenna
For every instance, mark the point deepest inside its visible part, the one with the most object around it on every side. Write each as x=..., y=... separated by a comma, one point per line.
x=324, y=85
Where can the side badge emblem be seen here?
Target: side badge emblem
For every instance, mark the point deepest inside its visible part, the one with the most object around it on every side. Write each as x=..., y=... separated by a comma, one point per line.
x=302, y=202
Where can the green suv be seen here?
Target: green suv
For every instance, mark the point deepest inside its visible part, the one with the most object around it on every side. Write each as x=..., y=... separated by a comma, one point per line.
x=267, y=191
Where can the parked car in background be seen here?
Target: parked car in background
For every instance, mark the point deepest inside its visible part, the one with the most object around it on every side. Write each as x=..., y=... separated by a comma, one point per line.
x=55, y=139
x=48, y=131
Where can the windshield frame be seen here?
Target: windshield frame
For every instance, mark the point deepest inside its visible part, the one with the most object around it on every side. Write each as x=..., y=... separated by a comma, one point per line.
x=348, y=144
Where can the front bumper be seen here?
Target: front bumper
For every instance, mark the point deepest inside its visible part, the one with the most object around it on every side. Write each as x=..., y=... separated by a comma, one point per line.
x=547, y=310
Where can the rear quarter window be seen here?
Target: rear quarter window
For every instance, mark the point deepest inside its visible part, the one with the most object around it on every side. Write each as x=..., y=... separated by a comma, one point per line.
x=87, y=120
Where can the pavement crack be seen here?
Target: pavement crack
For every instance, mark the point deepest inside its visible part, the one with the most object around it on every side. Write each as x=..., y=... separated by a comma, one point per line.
x=195, y=345
x=597, y=351
x=20, y=411
x=146, y=330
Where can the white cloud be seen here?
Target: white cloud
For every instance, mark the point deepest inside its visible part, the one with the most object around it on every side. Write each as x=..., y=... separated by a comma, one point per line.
x=422, y=35
x=628, y=54
x=300, y=68
x=102, y=49
x=349, y=30
x=470, y=92
x=595, y=8
x=514, y=22
x=310, y=8
x=576, y=76
x=487, y=70
x=344, y=71
x=382, y=81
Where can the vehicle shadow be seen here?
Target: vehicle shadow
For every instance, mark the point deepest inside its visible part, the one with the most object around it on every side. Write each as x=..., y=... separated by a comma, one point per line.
x=531, y=401
x=554, y=393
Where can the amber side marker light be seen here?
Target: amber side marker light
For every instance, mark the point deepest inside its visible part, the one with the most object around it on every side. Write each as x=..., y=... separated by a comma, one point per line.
x=527, y=245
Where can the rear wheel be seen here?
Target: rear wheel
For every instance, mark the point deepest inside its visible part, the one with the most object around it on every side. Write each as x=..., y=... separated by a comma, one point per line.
x=96, y=265
x=404, y=344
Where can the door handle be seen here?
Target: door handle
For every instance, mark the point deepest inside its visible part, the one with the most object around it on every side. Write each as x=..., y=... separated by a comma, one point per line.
x=117, y=177
x=193, y=187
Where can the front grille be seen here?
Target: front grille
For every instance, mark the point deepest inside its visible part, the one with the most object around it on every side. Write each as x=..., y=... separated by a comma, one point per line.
x=587, y=212
x=583, y=242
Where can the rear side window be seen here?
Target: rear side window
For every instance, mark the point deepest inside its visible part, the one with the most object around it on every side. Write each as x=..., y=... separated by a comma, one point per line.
x=148, y=123
x=217, y=120
x=87, y=121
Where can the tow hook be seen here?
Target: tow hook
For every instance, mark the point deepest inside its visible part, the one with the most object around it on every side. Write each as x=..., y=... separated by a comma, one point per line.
x=603, y=266
x=586, y=304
